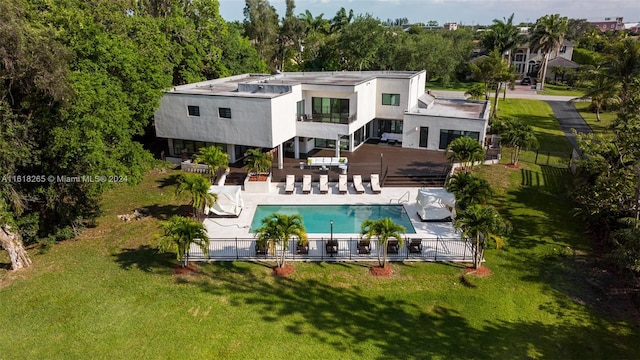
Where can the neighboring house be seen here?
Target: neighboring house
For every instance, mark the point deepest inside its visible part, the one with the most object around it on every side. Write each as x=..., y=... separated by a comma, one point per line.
x=609, y=24
x=559, y=62
x=451, y=26
x=527, y=61
x=299, y=112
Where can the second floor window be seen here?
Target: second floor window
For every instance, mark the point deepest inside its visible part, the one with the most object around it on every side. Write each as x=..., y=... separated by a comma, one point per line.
x=193, y=110
x=224, y=113
x=391, y=99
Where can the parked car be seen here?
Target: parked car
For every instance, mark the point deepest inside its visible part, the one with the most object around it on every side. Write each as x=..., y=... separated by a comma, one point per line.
x=525, y=81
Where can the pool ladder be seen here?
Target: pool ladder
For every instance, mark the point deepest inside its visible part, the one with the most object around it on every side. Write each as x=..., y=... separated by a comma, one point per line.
x=401, y=200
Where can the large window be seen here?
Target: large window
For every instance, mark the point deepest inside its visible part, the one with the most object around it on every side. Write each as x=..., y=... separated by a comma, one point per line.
x=358, y=137
x=331, y=144
x=190, y=147
x=193, y=110
x=330, y=110
x=224, y=113
x=300, y=108
x=447, y=136
x=389, y=126
x=391, y=99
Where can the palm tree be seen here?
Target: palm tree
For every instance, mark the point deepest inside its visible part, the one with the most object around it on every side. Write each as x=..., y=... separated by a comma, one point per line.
x=469, y=190
x=258, y=162
x=383, y=229
x=504, y=36
x=516, y=134
x=466, y=151
x=623, y=63
x=179, y=233
x=599, y=90
x=213, y=157
x=481, y=223
x=547, y=36
x=198, y=187
x=277, y=230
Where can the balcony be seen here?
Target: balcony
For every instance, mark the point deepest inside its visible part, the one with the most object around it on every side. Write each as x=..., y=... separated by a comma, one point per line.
x=328, y=118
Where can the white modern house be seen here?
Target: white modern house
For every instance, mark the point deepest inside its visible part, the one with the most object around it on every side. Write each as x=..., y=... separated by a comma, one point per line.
x=299, y=112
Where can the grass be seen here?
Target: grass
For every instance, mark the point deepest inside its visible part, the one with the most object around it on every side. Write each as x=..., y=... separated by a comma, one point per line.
x=559, y=90
x=109, y=294
x=554, y=148
x=603, y=126
x=452, y=86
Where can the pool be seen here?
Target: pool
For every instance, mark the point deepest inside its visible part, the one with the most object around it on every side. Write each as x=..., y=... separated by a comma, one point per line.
x=346, y=218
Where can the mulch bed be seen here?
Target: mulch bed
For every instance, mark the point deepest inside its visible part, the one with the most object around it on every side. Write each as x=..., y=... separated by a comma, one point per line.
x=286, y=270
x=511, y=166
x=191, y=268
x=481, y=272
x=381, y=271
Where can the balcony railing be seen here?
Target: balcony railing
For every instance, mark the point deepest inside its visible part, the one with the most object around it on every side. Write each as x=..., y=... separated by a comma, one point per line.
x=338, y=249
x=328, y=118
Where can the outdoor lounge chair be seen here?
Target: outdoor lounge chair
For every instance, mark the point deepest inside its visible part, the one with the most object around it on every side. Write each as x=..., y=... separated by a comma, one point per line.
x=375, y=184
x=324, y=184
x=342, y=184
x=306, y=184
x=357, y=184
x=261, y=249
x=415, y=247
x=392, y=247
x=290, y=185
x=364, y=247
x=332, y=247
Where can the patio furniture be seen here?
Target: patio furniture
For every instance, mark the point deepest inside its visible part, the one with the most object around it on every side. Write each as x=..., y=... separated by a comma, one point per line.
x=375, y=184
x=393, y=247
x=306, y=184
x=324, y=184
x=342, y=184
x=415, y=246
x=357, y=184
x=331, y=247
x=325, y=162
x=302, y=249
x=364, y=247
x=261, y=249
x=391, y=137
x=290, y=184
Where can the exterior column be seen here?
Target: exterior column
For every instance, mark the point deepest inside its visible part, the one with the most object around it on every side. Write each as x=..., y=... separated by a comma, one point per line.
x=338, y=146
x=280, y=157
x=296, y=147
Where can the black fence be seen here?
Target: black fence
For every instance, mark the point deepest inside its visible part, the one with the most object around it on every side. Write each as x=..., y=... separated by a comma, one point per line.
x=337, y=249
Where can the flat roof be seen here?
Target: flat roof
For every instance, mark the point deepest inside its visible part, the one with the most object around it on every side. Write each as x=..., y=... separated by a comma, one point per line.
x=276, y=84
x=456, y=108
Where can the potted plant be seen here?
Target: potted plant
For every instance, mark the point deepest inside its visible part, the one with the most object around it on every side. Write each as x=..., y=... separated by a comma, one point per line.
x=258, y=175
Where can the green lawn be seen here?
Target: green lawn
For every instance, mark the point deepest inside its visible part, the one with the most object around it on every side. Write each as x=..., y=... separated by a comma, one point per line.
x=560, y=90
x=452, y=86
x=602, y=126
x=109, y=295
x=554, y=147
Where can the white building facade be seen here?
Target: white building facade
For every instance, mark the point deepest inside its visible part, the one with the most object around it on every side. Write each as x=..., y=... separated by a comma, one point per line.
x=298, y=112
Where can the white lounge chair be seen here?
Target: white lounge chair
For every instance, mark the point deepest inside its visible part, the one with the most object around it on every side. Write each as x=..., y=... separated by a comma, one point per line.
x=357, y=184
x=306, y=184
x=290, y=185
x=324, y=184
x=342, y=184
x=375, y=184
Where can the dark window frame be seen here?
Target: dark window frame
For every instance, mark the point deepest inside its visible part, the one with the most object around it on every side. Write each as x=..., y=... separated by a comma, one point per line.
x=193, y=110
x=388, y=99
x=224, y=113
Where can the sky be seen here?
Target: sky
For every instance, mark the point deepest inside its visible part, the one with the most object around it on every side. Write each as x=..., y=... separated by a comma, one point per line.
x=466, y=12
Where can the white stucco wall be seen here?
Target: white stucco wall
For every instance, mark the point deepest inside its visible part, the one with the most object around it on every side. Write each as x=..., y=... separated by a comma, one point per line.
x=283, y=116
x=365, y=104
x=411, y=136
x=391, y=86
x=250, y=122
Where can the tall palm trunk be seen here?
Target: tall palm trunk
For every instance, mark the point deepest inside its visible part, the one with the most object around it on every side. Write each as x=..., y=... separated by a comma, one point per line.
x=494, y=111
x=545, y=62
x=476, y=258
x=11, y=241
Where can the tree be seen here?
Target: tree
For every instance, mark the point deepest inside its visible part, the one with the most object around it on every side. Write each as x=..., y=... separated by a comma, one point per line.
x=198, y=188
x=178, y=233
x=493, y=71
x=214, y=157
x=466, y=151
x=481, y=224
x=276, y=231
x=623, y=63
x=341, y=20
x=257, y=161
x=359, y=43
x=261, y=26
x=598, y=89
x=547, y=36
x=469, y=190
x=517, y=135
x=383, y=229
x=503, y=36
x=475, y=92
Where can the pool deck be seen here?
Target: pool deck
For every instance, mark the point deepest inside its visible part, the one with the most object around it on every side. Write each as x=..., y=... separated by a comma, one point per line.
x=230, y=228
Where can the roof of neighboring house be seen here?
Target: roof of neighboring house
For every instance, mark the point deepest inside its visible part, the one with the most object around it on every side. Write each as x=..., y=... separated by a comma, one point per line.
x=562, y=62
x=566, y=42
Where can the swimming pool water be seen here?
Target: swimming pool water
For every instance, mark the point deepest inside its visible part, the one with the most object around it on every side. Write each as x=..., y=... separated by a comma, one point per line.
x=346, y=218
